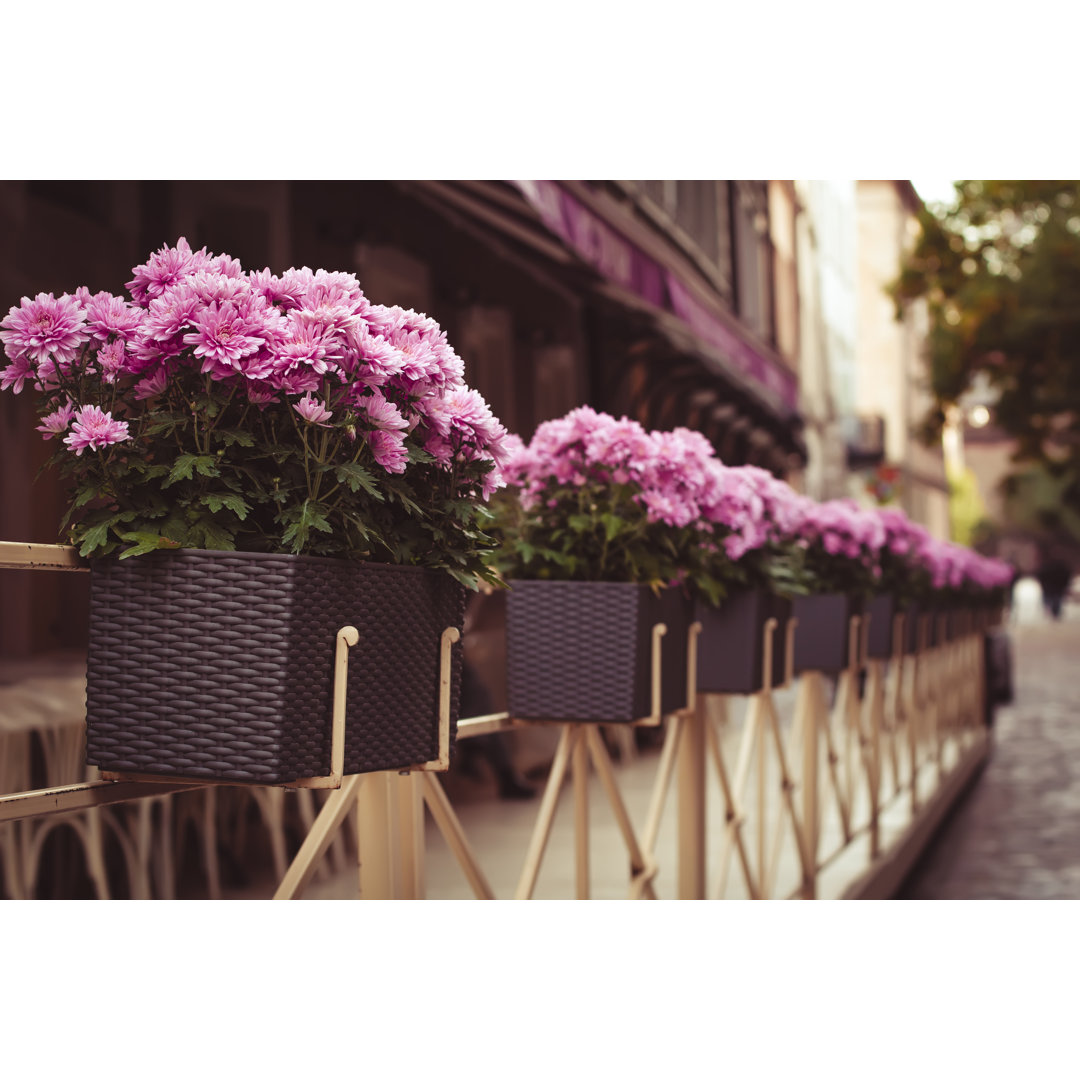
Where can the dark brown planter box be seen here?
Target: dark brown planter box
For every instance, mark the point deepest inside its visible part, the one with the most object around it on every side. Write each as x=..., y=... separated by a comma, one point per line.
x=731, y=645
x=219, y=665
x=912, y=614
x=879, y=640
x=822, y=636
x=937, y=624
x=582, y=650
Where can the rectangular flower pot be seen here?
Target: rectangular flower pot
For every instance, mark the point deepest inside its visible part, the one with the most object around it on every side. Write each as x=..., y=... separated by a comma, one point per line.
x=912, y=614
x=731, y=646
x=822, y=638
x=582, y=650
x=219, y=665
x=879, y=640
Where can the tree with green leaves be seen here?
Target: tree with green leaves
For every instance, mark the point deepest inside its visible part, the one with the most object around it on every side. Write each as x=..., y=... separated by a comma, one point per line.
x=1000, y=273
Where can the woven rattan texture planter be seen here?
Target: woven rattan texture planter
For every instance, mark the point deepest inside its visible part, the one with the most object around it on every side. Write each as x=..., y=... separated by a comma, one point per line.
x=731, y=645
x=219, y=665
x=822, y=637
x=582, y=650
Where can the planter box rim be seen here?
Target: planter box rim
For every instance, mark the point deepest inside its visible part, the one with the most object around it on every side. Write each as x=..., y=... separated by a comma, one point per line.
x=262, y=556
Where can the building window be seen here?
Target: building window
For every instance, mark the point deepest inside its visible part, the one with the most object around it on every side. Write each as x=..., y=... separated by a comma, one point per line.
x=753, y=257
x=695, y=214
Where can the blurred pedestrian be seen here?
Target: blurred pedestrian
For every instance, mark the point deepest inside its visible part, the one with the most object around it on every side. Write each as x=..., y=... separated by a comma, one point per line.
x=1054, y=576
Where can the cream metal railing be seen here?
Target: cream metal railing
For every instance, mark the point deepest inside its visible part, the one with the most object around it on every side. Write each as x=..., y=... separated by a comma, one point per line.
x=883, y=765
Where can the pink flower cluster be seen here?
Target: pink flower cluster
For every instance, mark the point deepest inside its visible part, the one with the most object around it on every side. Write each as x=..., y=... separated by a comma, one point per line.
x=744, y=508
x=843, y=528
x=951, y=566
x=307, y=338
x=752, y=506
x=671, y=469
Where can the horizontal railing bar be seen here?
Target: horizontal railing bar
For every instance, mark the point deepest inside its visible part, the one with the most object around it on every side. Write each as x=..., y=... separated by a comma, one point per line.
x=64, y=800
x=16, y=556
x=484, y=725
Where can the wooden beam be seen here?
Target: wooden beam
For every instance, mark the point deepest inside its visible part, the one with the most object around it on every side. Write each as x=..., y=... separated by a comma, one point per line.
x=17, y=556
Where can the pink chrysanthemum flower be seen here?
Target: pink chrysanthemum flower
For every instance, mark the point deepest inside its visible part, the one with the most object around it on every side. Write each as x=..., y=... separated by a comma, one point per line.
x=112, y=359
x=109, y=316
x=260, y=394
x=313, y=411
x=213, y=287
x=166, y=267
x=152, y=385
x=16, y=373
x=370, y=359
x=171, y=313
x=300, y=357
x=381, y=413
x=56, y=423
x=45, y=327
x=92, y=429
x=286, y=292
x=388, y=449
x=223, y=335
x=226, y=265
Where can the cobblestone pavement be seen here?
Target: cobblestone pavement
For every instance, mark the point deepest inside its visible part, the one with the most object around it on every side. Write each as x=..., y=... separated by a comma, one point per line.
x=1016, y=836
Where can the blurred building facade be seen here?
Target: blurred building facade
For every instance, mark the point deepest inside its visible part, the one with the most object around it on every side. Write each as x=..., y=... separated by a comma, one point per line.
x=676, y=302
x=891, y=386
x=827, y=268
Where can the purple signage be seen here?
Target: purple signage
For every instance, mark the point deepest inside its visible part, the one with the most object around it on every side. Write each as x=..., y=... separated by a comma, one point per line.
x=623, y=262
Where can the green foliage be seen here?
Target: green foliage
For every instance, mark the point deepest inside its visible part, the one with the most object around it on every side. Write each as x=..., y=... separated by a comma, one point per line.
x=1000, y=274
x=203, y=469
x=598, y=531
x=966, y=507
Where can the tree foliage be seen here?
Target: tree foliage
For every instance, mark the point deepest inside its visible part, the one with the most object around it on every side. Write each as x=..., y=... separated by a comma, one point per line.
x=1000, y=273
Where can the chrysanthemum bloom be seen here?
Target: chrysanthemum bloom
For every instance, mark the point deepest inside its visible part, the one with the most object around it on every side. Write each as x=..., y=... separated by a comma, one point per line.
x=56, y=423
x=300, y=358
x=152, y=385
x=45, y=327
x=261, y=394
x=109, y=316
x=92, y=429
x=285, y=292
x=381, y=413
x=222, y=337
x=16, y=373
x=313, y=411
x=388, y=449
x=112, y=359
x=214, y=288
x=164, y=268
x=369, y=359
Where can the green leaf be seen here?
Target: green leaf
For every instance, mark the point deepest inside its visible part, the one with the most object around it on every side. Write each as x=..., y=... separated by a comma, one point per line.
x=182, y=469
x=312, y=515
x=214, y=537
x=404, y=494
x=94, y=537
x=235, y=437
x=468, y=580
x=143, y=542
x=84, y=496
x=418, y=455
x=233, y=502
x=613, y=525
x=357, y=477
